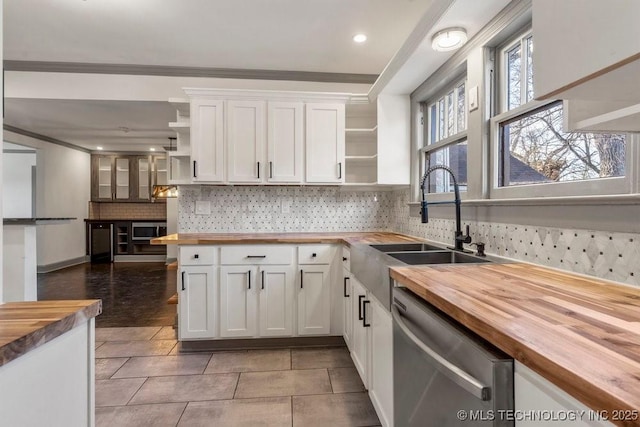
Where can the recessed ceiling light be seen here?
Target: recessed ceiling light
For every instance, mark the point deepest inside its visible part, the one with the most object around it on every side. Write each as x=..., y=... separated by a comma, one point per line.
x=98, y=148
x=360, y=38
x=449, y=39
x=152, y=149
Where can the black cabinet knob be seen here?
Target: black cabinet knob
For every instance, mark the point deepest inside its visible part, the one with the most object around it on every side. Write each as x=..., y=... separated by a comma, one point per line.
x=313, y=255
x=344, y=258
x=196, y=256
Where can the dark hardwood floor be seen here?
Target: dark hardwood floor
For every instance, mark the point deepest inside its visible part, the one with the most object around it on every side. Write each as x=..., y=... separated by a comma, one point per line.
x=132, y=294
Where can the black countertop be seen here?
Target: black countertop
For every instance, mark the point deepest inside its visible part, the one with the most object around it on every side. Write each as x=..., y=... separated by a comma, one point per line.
x=35, y=221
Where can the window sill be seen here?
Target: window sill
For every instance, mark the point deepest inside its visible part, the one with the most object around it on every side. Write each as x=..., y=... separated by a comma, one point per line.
x=616, y=199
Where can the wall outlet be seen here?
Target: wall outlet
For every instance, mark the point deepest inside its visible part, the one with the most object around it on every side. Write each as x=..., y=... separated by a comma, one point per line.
x=285, y=206
x=203, y=207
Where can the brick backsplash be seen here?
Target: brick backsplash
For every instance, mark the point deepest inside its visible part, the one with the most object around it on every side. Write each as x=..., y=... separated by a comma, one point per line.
x=156, y=210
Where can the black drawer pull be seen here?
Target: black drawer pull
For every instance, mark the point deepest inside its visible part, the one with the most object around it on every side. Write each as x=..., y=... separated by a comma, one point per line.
x=256, y=256
x=196, y=256
x=258, y=170
x=249, y=277
x=360, y=297
x=344, y=292
x=270, y=169
x=262, y=279
x=194, y=169
x=183, y=288
x=339, y=170
x=313, y=255
x=344, y=258
x=364, y=314
x=301, y=279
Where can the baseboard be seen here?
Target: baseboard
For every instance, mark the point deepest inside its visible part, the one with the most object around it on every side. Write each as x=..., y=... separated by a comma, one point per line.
x=171, y=260
x=47, y=268
x=260, y=343
x=139, y=258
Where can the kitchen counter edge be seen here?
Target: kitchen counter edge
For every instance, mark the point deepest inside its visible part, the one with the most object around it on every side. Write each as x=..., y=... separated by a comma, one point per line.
x=27, y=325
x=347, y=238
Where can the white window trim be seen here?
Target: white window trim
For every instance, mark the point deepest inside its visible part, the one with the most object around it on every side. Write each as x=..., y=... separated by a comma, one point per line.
x=601, y=186
x=512, y=42
x=449, y=140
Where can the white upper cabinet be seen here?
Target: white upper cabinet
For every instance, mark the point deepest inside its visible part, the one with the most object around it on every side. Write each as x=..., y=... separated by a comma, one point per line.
x=577, y=41
x=246, y=133
x=207, y=145
x=284, y=142
x=587, y=52
x=325, y=127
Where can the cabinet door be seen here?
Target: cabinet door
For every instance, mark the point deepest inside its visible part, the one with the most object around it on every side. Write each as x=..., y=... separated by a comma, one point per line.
x=277, y=285
x=197, y=287
x=238, y=301
x=123, y=178
x=347, y=308
x=207, y=140
x=284, y=142
x=160, y=171
x=246, y=136
x=381, y=380
x=102, y=178
x=143, y=178
x=325, y=143
x=360, y=334
x=314, y=312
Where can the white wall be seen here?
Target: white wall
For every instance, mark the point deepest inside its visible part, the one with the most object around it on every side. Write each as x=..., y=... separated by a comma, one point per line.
x=17, y=190
x=63, y=189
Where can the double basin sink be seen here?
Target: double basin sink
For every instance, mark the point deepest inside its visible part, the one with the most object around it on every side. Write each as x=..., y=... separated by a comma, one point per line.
x=370, y=263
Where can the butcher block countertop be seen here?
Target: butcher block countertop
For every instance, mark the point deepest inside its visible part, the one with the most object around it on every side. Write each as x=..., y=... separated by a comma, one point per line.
x=582, y=334
x=25, y=326
x=347, y=238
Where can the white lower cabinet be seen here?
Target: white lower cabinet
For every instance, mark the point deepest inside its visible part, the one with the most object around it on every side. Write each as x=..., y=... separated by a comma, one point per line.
x=347, y=308
x=360, y=334
x=534, y=394
x=314, y=298
x=238, y=301
x=372, y=348
x=277, y=285
x=197, y=302
x=381, y=380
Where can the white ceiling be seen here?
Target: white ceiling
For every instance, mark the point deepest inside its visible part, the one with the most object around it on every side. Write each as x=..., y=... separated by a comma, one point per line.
x=286, y=35
x=88, y=123
x=292, y=35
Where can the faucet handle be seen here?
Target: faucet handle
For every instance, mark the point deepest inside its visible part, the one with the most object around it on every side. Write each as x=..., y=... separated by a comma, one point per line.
x=480, y=247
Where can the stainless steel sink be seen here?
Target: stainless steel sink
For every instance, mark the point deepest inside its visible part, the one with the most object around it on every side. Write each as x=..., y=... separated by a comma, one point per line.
x=436, y=257
x=406, y=247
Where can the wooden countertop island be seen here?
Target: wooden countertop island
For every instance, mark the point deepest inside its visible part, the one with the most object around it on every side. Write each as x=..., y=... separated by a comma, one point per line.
x=347, y=238
x=25, y=326
x=582, y=334
x=47, y=363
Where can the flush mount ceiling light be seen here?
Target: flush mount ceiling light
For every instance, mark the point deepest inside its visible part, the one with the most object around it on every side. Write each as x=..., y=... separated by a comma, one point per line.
x=152, y=149
x=360, y=38
x=449, y=39
x=98, y=148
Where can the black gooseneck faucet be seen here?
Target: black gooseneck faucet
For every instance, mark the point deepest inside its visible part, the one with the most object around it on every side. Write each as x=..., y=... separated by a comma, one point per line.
x=459, y=238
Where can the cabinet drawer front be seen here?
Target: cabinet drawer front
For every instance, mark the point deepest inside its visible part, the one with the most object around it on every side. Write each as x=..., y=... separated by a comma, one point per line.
x=197, y=255
x=315, y=254
x=256, y=255
x=346, y=258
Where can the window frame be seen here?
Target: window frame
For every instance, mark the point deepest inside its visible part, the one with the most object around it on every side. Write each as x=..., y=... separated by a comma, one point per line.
x=429, y=146
x=591, y=187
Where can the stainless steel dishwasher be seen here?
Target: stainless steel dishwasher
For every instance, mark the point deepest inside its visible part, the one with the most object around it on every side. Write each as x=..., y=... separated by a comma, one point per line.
x=444, y=375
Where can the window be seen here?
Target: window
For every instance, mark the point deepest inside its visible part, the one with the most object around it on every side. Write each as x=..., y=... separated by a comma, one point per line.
x=530, y=144
x=446, y=138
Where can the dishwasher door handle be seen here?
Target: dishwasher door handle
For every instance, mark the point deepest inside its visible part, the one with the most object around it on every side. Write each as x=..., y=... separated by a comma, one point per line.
x=453, y=372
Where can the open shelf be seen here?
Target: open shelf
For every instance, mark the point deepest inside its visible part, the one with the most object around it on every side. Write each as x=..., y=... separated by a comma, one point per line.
x=361, y=130
x=179, y=125
x=363, y=159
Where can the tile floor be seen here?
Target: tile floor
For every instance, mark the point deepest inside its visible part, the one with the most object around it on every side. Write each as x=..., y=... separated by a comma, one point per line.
x=141, y=380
